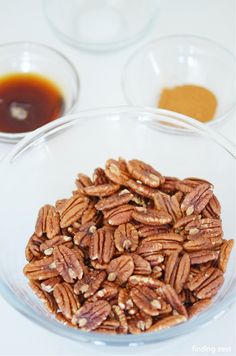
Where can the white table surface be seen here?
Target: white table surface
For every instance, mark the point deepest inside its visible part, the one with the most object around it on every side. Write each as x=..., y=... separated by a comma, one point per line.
x=100, y=81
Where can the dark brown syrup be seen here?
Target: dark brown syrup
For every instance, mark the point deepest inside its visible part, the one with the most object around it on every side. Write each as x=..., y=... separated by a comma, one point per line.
x=28, y=101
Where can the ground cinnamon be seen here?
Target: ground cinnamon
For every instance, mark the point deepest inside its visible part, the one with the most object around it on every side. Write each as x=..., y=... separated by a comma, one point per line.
x=191, y=100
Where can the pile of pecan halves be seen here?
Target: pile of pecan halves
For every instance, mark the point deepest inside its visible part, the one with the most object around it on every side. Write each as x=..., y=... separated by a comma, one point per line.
x=130, y=251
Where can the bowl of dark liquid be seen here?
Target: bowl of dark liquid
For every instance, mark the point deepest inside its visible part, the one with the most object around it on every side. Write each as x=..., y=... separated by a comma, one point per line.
x=37, y=85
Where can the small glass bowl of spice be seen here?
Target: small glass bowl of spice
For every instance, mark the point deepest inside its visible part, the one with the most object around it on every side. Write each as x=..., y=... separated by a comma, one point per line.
x=37, y=85
x=182, y=73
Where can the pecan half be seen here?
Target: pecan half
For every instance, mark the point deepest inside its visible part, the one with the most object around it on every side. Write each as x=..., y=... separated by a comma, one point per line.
x=67, y=263
x=102, y=245
x=120, y=315
x=171, y=268
x=81, y=182
x=147, y=300
x=151, y=216
x=91, y=315
x=126, y=238
x=113, y=201
x=167, y=322
x=119, y=215
x=225, y=251
x=148, y=247
x=90, y=283
x=198, y=307
x=164, y=243
x=99, y=177
x=203, y=256
x=195, y=201
x=141, y=266
x=67, y=301
x=72, y=210
x=123, y=297
x=117, y=171
x=169, y=236
x=148, y=230
x=182, y=272
x=46, y=298
x=204, y=227
x=188, y=184
x=212, y=209
x=169, y=185
x=169, y=204
x=120, y=269
x=32, y=250
x=59, y=203
x=206, y=283
x=102, y=190
x=209, y=288
x=41, y=269
x=90, y=214
x=169, y=247
x=170, y=296
x=48, y=222
x=48, y=246
x=141, y=189
x=145, y=173
x=202, y=243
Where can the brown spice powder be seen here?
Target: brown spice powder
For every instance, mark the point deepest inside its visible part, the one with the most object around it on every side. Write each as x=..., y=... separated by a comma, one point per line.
x=191, y=100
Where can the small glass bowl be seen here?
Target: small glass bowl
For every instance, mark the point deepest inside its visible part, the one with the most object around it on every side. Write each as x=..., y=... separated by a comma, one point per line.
x=177, y=60
x=102, y=25
x=29, y=57
x=46, y=163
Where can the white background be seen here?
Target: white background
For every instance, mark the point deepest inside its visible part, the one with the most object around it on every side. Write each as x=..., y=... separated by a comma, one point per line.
x=100, y=86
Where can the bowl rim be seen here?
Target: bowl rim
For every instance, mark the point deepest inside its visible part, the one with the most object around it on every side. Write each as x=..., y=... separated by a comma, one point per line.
x=188, y=122
x=95, y=46
x=10, y=137
x=142, y=49
x=34, y=138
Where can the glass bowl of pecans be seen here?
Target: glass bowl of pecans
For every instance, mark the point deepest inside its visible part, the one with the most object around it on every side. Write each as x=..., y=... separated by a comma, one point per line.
x=119, y=251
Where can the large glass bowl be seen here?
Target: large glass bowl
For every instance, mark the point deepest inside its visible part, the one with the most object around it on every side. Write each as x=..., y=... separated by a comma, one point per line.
x=176, y=60
x=42, y=168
